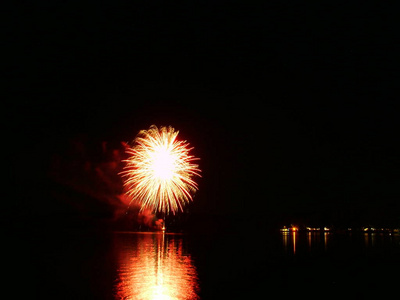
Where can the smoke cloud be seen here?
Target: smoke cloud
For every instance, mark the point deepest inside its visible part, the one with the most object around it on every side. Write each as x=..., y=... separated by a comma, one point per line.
x=88, y=171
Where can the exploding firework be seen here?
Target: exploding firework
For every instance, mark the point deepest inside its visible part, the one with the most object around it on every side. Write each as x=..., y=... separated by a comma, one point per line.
x=159, y=171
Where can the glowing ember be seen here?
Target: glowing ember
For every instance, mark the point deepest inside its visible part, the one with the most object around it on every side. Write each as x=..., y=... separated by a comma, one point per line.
x=159, y=172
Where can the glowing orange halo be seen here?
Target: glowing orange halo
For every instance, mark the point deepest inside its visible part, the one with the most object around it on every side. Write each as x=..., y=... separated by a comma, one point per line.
x=159, y=171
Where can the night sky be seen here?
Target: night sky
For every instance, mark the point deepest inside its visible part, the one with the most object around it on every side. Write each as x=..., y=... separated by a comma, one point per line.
x=292, y=108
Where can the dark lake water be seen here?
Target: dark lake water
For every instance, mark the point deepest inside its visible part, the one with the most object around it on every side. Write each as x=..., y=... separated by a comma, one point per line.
x=226, y=266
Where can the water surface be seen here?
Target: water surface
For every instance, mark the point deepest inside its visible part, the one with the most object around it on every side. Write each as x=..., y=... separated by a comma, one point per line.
x=217, y=266
x=154, y=266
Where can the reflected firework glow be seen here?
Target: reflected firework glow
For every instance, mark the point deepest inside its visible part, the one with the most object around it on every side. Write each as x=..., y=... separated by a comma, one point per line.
x=159, y=172
x=156, y=266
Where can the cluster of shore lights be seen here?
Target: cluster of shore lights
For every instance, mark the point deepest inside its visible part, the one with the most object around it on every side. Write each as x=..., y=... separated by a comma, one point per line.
x=327, y=229
x=308, y=229
x=380, y=230
x=317, y=229
x=290, y=229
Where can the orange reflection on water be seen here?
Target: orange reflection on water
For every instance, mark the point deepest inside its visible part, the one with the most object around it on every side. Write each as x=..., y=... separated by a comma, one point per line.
x=289, y=238
x=155, y=266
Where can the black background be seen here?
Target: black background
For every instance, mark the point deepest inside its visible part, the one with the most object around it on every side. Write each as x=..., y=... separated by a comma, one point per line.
x=291, y=107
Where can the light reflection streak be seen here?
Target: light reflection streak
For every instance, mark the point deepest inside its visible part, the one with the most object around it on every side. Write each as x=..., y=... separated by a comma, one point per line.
x=293, y=240
x=285, y=240
x=326, y=234
x=289, y=238
x=155, y=266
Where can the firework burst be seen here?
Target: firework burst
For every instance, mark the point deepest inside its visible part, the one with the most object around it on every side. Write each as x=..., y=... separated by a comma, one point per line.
x=159, y=171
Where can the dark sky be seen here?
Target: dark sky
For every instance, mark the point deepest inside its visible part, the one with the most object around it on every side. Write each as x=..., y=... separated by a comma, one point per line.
x=292, y=108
